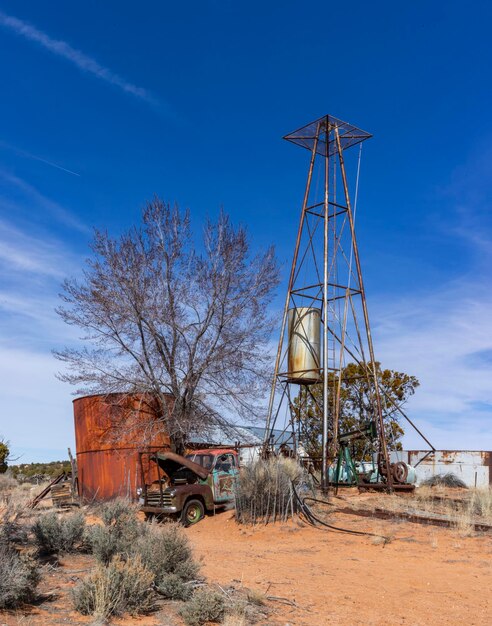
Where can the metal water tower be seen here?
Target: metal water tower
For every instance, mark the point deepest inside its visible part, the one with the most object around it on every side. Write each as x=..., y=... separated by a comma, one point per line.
x=325, y=321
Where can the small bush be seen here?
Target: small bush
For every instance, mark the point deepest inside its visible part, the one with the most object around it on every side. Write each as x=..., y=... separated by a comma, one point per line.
x=166, y=550
x=264, y=491
x=173, y=587
x=54, y=534
x=121, y=587
x=118, y=535
x=205, y=606
x=19, y=577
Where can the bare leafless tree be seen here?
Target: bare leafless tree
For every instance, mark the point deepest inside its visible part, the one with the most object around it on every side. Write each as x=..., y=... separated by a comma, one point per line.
x=161, y=317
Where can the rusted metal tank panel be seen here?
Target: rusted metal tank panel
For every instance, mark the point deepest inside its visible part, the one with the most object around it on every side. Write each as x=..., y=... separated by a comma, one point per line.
x=110, y=433
x=107, y=474
x=116, y=421
x=304, y=345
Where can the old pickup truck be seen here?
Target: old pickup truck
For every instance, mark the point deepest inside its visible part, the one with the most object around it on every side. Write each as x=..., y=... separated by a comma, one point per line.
x=190, y=485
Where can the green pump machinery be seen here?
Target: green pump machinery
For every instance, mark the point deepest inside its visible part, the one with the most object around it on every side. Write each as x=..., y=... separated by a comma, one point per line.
x=346, y=472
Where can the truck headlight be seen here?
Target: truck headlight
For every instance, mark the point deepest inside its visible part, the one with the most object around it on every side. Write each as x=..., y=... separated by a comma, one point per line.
x=139, y=491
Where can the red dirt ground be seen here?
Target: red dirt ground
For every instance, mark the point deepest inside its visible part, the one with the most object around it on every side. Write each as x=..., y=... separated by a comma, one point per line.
x=423, y=576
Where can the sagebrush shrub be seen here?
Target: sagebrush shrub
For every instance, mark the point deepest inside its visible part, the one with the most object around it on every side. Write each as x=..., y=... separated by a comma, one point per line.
x=59, y=534
x=119, y=532
x=173, y=587
x=205, y=606
x=117, y=511
x=120, y=587
x=159, y=557
x=166, y=550
x=19, y=577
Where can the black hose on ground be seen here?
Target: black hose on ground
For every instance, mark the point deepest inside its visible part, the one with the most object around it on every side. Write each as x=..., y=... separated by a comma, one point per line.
x=314, y=519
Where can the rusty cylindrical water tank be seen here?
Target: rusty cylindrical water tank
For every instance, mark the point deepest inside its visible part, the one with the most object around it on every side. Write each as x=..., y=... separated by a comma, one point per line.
x=304, y=345
x=110, y=433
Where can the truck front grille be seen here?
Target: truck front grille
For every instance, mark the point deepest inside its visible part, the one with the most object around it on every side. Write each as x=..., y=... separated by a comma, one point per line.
x=154, y=498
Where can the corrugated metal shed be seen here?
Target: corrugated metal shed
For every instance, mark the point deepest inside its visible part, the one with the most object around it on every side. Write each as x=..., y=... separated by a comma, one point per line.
x=474, y=467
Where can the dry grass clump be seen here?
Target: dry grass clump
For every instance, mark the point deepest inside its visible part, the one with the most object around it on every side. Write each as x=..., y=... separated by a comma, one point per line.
x=463, y=511
x=235, y=619
x=13, y=493
x=477, y=509
x=120, y=587
x=464, y=524
x=7, y=484
x=205, y=606
x=481, y=503
x=55, y=534
x=11, y=530
x=265, y=493
x=255, y=597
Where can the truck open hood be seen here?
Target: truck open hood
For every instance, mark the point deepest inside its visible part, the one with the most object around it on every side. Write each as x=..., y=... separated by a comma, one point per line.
x=171, y=462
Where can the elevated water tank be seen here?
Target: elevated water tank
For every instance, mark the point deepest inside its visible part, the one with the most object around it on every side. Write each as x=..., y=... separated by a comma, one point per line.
x=110, y=433
x=304, y=346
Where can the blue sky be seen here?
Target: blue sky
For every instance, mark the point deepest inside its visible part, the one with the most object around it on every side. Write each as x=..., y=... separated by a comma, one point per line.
x=105, y=104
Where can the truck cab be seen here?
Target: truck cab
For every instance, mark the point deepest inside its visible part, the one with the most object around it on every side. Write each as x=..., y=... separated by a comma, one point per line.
x=188, y=486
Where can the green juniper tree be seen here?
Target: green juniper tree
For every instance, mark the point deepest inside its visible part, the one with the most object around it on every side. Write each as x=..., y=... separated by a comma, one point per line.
x=4, y=455
x=355, y=406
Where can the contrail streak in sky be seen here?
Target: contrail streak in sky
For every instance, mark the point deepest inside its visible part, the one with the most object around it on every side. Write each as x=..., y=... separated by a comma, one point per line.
x=77, y=57
x=28, y=155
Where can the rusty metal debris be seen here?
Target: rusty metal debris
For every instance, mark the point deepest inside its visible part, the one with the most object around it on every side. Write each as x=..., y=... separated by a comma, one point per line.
x=46, y=491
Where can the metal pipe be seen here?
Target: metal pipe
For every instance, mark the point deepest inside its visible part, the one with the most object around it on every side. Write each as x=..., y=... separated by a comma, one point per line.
x=324, y=462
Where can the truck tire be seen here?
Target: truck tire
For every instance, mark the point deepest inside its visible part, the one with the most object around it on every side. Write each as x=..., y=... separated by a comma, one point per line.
x=192, y=513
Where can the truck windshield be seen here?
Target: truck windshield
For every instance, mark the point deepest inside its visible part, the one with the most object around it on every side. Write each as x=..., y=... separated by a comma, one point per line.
x=205, y=460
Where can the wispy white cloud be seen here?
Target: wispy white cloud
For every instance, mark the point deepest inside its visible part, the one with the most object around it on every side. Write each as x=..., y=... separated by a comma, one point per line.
x=78, y=58
x=32, y=266
x=36, y=414
x=441, y=331
x=443, y=337
x=36, y=407
x=21, y=252
x=62, y=214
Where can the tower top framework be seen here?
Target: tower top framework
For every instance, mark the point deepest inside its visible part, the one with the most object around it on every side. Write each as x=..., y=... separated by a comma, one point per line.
x=320, y=133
